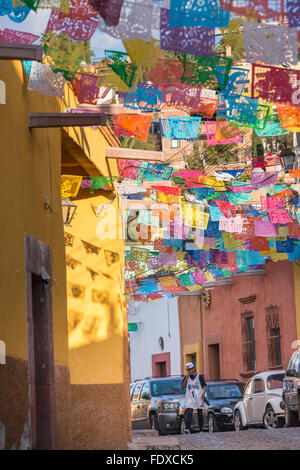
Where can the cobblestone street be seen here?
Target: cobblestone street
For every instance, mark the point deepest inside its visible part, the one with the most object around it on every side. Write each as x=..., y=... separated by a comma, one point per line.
x=251, y=439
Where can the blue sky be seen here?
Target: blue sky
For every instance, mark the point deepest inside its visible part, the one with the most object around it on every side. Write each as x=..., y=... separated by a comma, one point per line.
x=36, y=23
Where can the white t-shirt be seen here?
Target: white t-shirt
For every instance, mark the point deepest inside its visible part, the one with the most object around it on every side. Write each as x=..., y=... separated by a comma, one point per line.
x=193, y=393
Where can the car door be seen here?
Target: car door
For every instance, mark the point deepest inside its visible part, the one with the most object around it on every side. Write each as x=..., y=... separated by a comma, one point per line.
x=143, y=405
x=135, y=400
x=247, y=398
x=257, y=401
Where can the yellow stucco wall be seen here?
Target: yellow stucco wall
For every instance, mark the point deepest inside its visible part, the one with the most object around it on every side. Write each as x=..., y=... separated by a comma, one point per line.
x=96, y=324
x=189, y=350
x=297, y=297
x=97, y=316
x=30, y=171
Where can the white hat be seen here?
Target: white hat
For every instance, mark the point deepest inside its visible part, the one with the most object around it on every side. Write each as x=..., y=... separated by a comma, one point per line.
x=189, y=365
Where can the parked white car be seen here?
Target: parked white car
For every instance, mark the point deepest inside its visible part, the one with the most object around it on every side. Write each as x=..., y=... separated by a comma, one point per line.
x=262, y=402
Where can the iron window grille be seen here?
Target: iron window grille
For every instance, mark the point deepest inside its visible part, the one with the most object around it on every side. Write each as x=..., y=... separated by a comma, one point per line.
x=273, y=336
x=248, y=341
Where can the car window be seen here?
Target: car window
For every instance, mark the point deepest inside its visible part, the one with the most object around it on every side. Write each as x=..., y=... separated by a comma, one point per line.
x=259, y=386
x=297, y=363
x=248, y=388
x=137, y=391
x=227, y=390
x=145, y=388
x=291, y=364
x=166, y=387
x=131, y=390
x=275, y=381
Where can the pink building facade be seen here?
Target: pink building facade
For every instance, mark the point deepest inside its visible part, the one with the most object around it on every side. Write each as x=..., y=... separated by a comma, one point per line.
x=249, y=327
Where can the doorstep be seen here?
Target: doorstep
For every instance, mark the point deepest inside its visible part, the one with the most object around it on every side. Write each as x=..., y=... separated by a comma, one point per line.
x=146, y=440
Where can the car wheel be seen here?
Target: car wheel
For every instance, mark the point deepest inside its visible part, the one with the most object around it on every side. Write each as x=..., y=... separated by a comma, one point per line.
x=212, y=424
x=237, y=421
x=155, y=424
x=270, y=419
x=291, y=417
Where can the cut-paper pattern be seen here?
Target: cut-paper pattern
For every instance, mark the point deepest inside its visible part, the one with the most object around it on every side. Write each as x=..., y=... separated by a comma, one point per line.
x=166, y=72
x=271, y=44
x=289, y=117
x=193, y=13
x=191, y=40
x=137, y=125
x=209, y=72
x=17, y=37
x=65, y=55
x=15, y=13
x=142, y=53
x=274, y=84
x=256, y=9
x=135, y=22
x=109, y=10
x=77, y=29
x=147, y=98
x=119, y=63
x=85, y=88
x=181, y=128
x=293, y=13
x=221, y=133
x=45, y=81
x=182, y=96
x=273, y=127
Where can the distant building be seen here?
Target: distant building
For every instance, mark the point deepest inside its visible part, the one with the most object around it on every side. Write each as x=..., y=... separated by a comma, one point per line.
x=244, y=325
x=155, y=346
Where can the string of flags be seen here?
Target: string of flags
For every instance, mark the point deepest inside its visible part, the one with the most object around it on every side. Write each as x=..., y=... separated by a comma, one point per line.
x=209, y=224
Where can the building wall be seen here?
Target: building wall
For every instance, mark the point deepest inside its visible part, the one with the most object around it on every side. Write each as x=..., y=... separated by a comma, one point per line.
x=296, y=267
x=97, y=313
x=176, y=155
x=154, y=320
x=222, y=321
x=92, y=412
x=30, y=169
x=190, y=330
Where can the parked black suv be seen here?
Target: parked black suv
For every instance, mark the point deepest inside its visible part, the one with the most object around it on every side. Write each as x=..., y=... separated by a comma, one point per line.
x=220, y=399
x=291, y=391
x=155, y=403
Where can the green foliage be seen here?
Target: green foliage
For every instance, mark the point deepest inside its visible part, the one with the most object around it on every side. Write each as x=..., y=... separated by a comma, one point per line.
x=220, y=154
x=234, y=38
x=153, y=143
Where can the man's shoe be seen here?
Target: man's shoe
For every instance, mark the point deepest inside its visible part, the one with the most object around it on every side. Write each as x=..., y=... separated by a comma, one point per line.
x=187, y=431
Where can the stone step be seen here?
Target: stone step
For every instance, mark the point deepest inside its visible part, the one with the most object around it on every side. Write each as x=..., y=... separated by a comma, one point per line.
x=154, y=443
x=144, y=432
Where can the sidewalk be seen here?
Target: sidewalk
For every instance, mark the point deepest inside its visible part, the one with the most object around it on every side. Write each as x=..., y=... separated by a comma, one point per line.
x=148, y=439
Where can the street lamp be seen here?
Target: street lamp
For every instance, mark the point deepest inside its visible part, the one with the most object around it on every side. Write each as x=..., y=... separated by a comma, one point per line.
x=288, y=158
x=68, y=210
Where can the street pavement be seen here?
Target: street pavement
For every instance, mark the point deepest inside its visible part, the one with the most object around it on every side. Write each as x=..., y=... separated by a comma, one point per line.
x=251, y=439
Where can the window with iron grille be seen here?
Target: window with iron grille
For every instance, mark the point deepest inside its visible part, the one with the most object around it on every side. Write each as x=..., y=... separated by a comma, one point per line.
x=248, y=341
x=273, y=336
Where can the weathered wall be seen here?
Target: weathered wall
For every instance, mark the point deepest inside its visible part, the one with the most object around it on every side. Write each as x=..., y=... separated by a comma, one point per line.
x=30, y=169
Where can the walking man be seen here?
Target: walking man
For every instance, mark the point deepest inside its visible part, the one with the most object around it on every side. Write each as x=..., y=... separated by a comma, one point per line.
x=195, y=388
